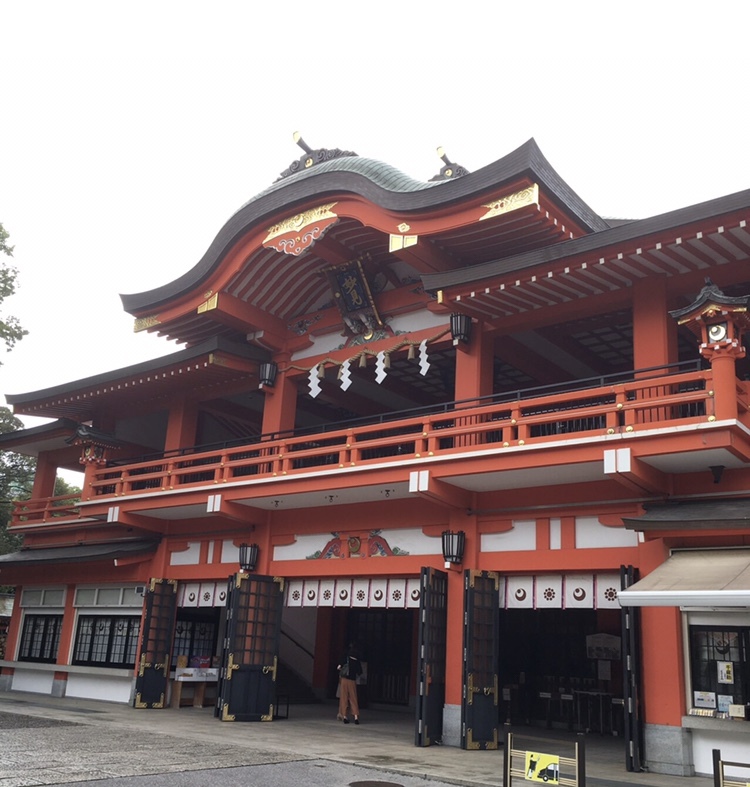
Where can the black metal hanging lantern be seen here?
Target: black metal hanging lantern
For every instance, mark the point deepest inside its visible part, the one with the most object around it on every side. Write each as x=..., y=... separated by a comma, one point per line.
x=248, y=557
x=267, y=373
x=460, y=328
x=454, y=544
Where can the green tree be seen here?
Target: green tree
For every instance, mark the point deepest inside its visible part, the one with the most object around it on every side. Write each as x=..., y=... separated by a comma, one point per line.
x=16, y=479
x=10, y=329
x=16, y=482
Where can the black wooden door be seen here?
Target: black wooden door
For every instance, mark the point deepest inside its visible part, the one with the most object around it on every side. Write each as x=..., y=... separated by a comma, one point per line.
x=156, y=644
x=479, y=711
x=631, y=660
x=433, y=609
x=248, y=679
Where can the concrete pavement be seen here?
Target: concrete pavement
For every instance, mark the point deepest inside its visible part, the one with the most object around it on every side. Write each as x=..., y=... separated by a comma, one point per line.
x=48, y=740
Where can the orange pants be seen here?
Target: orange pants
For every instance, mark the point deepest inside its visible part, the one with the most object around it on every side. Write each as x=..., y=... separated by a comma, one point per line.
x=348, y=697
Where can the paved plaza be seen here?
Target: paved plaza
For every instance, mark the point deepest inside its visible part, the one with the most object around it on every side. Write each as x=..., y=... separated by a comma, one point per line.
x=47, y=740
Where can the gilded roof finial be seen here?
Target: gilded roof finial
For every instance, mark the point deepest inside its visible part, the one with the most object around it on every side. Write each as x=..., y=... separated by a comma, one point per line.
x=449, y=170
x=312, y=157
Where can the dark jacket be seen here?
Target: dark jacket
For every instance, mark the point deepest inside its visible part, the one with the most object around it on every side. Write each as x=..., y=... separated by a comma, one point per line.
x=353, y=665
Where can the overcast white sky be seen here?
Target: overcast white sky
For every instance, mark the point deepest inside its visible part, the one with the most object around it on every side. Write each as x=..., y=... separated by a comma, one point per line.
x=130, y=132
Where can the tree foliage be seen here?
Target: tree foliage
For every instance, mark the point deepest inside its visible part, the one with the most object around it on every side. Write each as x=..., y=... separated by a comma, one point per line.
x=16, y=482
x=10, y=328
x=16, y=479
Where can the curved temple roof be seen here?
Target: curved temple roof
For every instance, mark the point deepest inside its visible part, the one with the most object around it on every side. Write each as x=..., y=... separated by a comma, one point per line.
x=383, y=186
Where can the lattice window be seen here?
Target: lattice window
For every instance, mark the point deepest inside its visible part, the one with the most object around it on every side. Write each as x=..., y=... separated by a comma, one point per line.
x=107, y=641
x=40, y=638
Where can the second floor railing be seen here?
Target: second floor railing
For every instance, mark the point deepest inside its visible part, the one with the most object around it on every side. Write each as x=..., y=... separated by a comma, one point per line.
x=619, y=407
x=642, y=402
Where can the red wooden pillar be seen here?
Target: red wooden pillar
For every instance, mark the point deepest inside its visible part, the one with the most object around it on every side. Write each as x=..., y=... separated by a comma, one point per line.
x=280, y=405
x=662, y=643
x=723, y=366
x=454, y=637
x=474, y=362
x=45, y=476
x=654, y=331
x=182, y=425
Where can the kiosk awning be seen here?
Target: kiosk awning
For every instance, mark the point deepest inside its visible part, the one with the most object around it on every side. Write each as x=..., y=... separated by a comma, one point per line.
x=695, y=578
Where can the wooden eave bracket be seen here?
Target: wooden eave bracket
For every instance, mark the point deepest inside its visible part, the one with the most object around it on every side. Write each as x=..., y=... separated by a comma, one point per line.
x=116, y=516
x=232, y=512
x=421, y=483
x=634, y=474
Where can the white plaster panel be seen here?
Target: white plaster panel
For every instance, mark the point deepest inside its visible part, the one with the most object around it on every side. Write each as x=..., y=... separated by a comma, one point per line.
x=555, y=533
x=397, y=593
x=211, y=549
x=378, y=592
x=229, y=552
x=519, y=539
x=343, y=596
x=549, y=591
x=30, y=680
x=413, y=541
x=94, y=687
x=188, y=557
x=520, y=593
x=327, y=592
x=192, y=594
x=303, y=547
x=311, y=591
x=579, y=591
x=361, y=593
x=592, y=534
x=733, y=747
x=413, y=592
x=607, y=588
x=295, y=593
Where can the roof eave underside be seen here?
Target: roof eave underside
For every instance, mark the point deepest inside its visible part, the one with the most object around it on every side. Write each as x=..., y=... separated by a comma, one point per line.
x=588, y=244
x=216, y=345
x=325, y=180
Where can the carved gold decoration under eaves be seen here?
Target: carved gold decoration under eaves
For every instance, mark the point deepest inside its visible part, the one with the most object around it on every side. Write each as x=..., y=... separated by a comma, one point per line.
x=398, y=242
x=144, y=323
x=298, y=233
x=209, y=304
x=511, y=202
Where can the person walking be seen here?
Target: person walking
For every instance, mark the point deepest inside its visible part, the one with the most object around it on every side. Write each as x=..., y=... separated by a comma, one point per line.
x=350, y=668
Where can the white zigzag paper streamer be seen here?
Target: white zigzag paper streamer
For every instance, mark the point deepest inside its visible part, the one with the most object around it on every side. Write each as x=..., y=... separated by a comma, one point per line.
x=314, y=382
x=424, y=364
x=346, y=375
x=380, y=372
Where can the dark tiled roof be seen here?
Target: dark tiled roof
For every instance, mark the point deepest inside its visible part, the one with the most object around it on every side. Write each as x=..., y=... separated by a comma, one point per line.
x=382, y=185
x=589, y=243
x=217, y=344
x=77, y=554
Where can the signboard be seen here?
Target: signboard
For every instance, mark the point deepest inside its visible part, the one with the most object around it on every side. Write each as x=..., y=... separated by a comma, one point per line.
x=725, y=671
x=542, y=767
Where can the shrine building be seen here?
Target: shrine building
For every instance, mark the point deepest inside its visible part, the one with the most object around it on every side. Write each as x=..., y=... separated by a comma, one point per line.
x=497, y=441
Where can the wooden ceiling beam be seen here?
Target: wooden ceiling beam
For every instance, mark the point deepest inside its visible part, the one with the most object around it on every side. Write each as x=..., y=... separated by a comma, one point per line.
x=245, y=318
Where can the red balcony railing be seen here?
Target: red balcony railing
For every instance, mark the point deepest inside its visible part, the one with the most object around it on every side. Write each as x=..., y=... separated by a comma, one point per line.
x=685, y=397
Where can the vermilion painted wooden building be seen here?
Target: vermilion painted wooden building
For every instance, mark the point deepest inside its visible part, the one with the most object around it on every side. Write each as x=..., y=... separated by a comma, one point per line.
x=377, y=369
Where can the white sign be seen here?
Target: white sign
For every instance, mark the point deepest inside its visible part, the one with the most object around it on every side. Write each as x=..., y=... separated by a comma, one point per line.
x=704, y=699
x=725, y=671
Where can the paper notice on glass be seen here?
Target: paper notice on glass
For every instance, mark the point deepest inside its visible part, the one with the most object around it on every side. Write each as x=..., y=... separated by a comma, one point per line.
x=724, y=701
x=725, y=671
x=704, y=699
